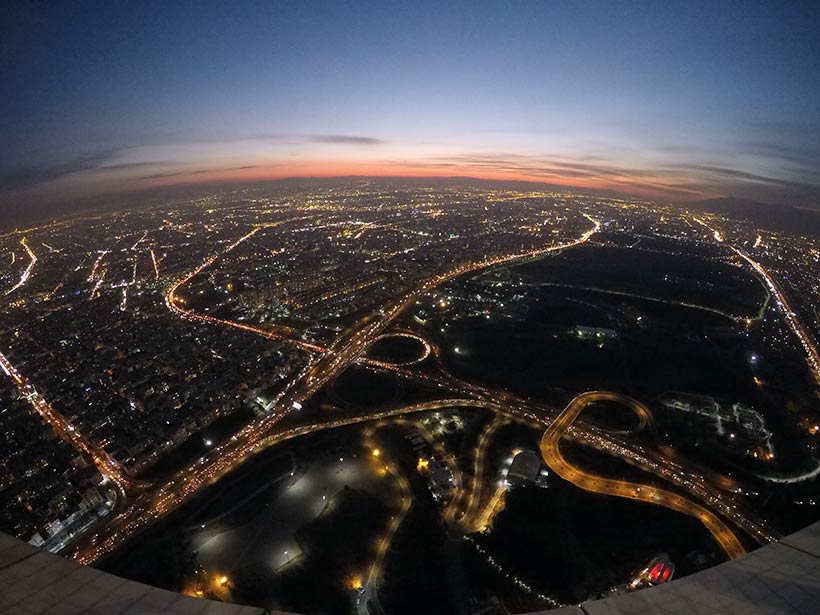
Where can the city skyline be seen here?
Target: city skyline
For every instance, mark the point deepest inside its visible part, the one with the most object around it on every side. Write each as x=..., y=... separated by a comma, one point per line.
x=675, y=103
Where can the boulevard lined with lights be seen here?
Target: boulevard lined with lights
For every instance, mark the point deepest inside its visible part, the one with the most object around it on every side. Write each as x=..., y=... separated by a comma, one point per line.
x=342, y=352
x=342, y=339
x=28, y=270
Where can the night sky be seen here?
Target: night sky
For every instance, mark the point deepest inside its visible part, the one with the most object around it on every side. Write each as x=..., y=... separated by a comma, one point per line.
x=662, y=99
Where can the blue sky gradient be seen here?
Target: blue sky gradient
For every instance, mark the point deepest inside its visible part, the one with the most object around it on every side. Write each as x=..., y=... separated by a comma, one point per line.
x=675, y=100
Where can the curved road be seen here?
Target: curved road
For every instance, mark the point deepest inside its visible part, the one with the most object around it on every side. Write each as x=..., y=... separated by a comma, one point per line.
x=427, y=349
x=552, y=455
x=347, y=348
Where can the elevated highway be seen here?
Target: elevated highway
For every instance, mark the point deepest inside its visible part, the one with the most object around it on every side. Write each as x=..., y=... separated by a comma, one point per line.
x=552, y=455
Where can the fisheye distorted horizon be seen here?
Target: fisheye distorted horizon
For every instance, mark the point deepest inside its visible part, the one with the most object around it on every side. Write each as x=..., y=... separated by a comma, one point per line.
x=407, y=308
x=677, y=102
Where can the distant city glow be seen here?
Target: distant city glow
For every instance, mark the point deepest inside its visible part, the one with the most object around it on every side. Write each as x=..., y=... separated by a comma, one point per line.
x=674, y=102
x=368, y=289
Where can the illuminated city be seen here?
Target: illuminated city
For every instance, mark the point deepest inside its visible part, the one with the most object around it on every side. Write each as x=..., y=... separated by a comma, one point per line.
x=399, y=383
x=262, y=326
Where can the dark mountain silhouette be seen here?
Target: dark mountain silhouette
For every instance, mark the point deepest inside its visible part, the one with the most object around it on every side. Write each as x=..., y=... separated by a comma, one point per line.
x=781, y=218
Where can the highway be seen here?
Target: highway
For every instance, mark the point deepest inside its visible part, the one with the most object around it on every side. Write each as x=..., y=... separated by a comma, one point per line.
x=790, y=316
x=107, y=466
x=374, y=572
x=470, y=520
x=812, y=356
x=346, y=349
x=144, y=510
x=28, y=270
x=713, y=490
x=707, y=496
x=499, y=402
x=551, y=453
x=318, y=371
x=427, y=349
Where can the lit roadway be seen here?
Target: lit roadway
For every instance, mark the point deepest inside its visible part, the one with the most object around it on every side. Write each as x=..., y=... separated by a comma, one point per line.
x=470, y=518
x=500, y=402
x=427, y=349
x=143, y=510
x=552, y=455
x=332, y=360
x=109, y=468
x=812, y=355
x=704, y=493
x=27, y=272
x=317, y=372
x=698, y=489
x=374, y=572
x=702, y=485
